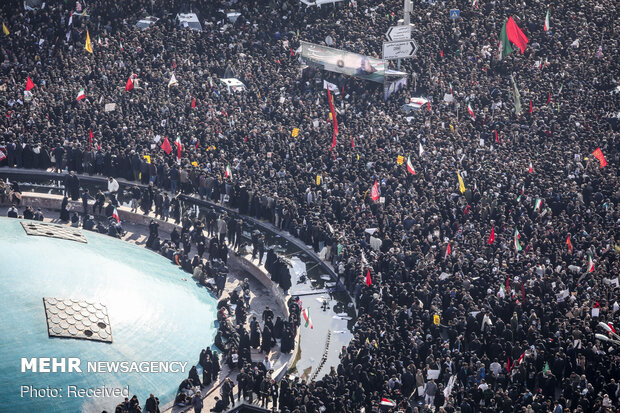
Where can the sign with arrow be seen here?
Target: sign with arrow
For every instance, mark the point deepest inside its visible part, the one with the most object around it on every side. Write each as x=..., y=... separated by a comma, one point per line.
x=395, y=33
x=400, y=49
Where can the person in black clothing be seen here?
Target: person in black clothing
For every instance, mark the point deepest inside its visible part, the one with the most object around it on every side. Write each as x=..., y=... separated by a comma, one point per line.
x=85, y=198
x=99, y=202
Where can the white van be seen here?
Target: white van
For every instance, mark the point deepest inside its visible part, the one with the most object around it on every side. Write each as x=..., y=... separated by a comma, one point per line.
x=189, y=20
x=232, y=85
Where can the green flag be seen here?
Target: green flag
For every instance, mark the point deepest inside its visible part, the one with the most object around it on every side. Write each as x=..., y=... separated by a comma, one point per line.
x=546, y=367
x=516, y=96
x=504, y=44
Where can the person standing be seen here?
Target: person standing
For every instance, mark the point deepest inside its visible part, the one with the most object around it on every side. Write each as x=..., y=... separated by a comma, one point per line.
x=152, y=404
x=197, y=402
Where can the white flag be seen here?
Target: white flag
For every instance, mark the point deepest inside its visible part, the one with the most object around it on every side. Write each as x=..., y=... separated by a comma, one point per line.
x=421, y=150
x=173, y=81
x=332, y=87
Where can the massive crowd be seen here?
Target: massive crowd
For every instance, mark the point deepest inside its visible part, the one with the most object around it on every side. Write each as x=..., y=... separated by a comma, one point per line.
x=502, y=325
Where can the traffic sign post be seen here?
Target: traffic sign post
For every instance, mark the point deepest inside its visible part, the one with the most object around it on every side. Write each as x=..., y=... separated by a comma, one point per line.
x=395, y=33
x=455, y=13
x=401, y=49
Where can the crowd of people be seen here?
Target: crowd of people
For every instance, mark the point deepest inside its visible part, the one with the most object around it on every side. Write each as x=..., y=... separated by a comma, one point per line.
x=483, y=295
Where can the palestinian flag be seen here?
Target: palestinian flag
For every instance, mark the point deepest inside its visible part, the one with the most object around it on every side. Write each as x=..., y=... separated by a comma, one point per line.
x=538, y=204
x=492, y=236
x=516, y=243
x=511, y=33
x=410, y=165
x=569, y=244
x=374, y=192
x=387, y=402
x=546, y=26
x=368, y=279
x=306, y=314
x=81, y=95
x=115, y=216
x=590, y=263
x=471, y=111
x=228, y=171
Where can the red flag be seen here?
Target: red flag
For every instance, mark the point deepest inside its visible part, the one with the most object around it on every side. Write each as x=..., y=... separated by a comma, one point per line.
x=90, y=138
x=374, y=192
x=549, y=99
x=569, y=244
x=368, y=280
x=29, y=83
x=98, y=147
x=333, y=111
x=496, y=137
x=292, y=52
x=531, y=107
x=428, y=105
x=492, y=236
x=165, y=146
x=508, y=284
x=129, y=84
x=508, y=364
x=193, y=103
x=197, y=143
x=246, y=138
x=441, y=53
x=352, y=143
x=598, y=154
x=516, y=35
x=448, y=251
x=174, y=64
x=334, y=143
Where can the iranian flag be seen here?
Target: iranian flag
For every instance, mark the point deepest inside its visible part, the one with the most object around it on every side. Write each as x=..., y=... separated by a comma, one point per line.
x=387, y=402
x=81, y=95
x=546, y=27
x=590, y=263
x=115, y=216
x=374, y=192
x=228, y=171
x=306, y=314
x=538, y=204
x=177, y=143
x=516, y=243
x=511, y=33
x=471, y=111
x=410, y=165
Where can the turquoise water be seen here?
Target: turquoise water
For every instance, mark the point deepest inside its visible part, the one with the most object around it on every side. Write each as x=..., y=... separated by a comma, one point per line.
x=155, y=315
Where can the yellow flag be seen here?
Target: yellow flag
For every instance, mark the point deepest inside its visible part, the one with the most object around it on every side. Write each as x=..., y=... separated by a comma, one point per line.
x=193, y=163
x=330, y=116
x=148, y=158
x=400, y=159
x=5, y=29
x=318, y=179
x=436, y=319
x=83, y=14
x=461, y=183
x=88, y=46
x=295, y=132
x=451, y=128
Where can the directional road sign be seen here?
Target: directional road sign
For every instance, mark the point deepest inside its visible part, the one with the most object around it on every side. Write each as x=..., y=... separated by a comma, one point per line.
x=399, y=50
x=398, y=33
x=455, y=13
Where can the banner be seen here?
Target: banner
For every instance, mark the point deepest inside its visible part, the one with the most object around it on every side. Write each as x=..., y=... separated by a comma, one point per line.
x=341, y=61
x=392, y=86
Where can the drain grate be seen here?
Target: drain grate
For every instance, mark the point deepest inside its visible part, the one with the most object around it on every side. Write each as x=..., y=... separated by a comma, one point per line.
x=77, y=319
x=53, y=231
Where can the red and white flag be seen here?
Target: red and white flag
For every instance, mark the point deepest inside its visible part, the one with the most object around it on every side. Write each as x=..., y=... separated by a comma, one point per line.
x=471, y=111
x=374, y=192
x=115, y=216
x=448, y=251
x=179, y=146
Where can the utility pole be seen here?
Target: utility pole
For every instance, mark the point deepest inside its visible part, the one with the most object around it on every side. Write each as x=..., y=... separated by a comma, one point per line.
x=406, y=18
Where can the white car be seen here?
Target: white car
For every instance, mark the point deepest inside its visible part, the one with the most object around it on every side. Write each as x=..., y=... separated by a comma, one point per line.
x=189, y=20
x=233, y=85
